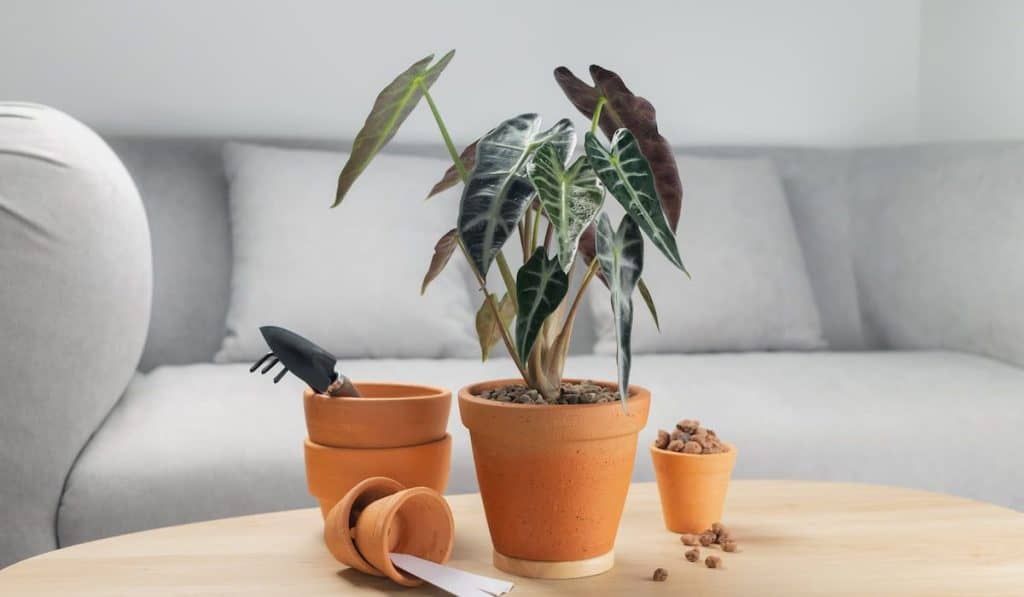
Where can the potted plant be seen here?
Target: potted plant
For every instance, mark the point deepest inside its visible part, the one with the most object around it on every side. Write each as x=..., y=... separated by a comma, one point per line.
x=553, y=456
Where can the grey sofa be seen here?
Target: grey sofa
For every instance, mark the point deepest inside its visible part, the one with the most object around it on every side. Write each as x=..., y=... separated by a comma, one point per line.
x=922, y=386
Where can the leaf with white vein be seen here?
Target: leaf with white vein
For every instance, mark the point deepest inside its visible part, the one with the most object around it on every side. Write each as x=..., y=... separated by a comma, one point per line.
x=620, y=254
x=540, y=287
x=498, y=191
x=571, y=198
x=625, y=172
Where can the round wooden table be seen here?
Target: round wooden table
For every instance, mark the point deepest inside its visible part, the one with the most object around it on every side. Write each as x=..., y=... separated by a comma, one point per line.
x=796, y=538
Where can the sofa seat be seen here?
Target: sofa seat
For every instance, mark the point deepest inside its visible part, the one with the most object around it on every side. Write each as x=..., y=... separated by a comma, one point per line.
x=196, y=442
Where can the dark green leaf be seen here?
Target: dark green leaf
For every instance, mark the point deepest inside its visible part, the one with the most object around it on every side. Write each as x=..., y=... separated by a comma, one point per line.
x=393, y=105
x=626, y=174
x=442, y=253
x=540, y=287
x=498, y=191
x=621, y=256
x=625, y=110
x=451, y=175
x=487, y=329
x=571, y=198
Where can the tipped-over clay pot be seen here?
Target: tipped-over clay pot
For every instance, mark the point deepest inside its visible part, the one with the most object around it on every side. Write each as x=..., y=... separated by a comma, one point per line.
x=332, y=472
x=553, y=478
x=379, y=517
x=692, y=487
x=387, y=415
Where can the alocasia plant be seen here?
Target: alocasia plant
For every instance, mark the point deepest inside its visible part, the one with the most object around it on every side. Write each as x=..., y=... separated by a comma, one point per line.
x=518, y=178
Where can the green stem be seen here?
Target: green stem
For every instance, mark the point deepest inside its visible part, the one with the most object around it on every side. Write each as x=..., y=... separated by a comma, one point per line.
x=506, y=336
x=533, y=232
x=444, y=133
x=597, y=114
x=510, y=280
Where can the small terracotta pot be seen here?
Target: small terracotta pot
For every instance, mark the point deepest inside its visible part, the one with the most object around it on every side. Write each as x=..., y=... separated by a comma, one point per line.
x=378, y=517
x=332, y=472
x=692, y=487
x=388, y=415
x=553, y=478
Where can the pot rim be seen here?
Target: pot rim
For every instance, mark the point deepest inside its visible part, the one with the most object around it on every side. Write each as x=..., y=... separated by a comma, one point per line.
x=670, y=454
x=312, y=445
x=424, y=392
x=468, y=393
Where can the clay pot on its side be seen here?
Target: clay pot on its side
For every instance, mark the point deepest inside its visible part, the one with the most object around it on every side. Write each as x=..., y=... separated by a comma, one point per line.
x=394, y=430
x=692, y=487
x=378, y=517
x=553, y=479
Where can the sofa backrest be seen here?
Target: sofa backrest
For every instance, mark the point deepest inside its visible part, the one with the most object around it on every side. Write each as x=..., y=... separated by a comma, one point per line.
x=831, y=194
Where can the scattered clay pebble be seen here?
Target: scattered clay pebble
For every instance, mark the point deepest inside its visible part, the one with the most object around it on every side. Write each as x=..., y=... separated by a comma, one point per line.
x=707, y=539
x=660, y=575
x=690, y=539
x=663, y=439
x=729, y=546
x=713, y=562
x=693, y=555
x=688, y=425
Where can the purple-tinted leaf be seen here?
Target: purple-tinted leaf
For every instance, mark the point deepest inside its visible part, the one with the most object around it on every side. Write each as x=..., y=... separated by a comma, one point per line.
x=442, y=253
x=451, y=175
x=623, y=109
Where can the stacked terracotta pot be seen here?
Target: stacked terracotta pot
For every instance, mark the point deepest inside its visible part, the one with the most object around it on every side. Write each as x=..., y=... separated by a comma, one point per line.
x=393, y=430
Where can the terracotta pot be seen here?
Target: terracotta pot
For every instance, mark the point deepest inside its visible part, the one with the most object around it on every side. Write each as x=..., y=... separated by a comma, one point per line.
x=332, y=472
x=553, y=479
x=692, y=487
x=388, y=415
x=378, y=517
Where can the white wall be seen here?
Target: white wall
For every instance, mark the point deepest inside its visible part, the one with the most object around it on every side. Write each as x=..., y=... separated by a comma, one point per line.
x=972, y=69
x=830, y=72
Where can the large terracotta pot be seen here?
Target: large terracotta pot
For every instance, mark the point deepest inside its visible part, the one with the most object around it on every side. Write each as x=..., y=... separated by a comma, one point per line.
x=553, y=478
x=394, y=430
x=692, y=487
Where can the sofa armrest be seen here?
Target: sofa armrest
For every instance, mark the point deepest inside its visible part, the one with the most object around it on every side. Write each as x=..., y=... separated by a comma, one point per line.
x=75, y=291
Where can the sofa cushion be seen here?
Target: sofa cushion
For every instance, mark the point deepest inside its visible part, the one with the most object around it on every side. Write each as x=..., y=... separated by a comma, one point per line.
x=347, y=278
x=205, y=441
x=940, y=248
x=750, y=289
x=182, y=186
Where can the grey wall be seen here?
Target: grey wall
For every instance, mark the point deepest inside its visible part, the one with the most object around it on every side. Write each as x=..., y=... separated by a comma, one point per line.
x=971, y=72
x=829, y=72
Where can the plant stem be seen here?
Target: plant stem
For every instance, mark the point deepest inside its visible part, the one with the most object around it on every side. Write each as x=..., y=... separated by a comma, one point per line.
x=463, y=175
x=591, y=272
x=597, y=113
x=533, y=231
x=505, y=335
x=510, y=281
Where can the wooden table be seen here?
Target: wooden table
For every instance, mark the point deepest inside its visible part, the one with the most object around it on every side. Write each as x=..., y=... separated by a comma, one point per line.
x=797, y=538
